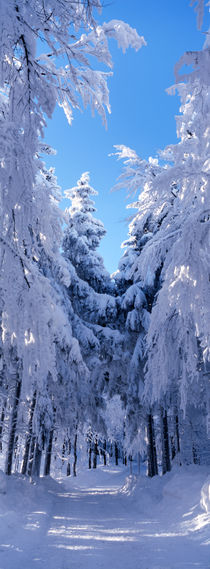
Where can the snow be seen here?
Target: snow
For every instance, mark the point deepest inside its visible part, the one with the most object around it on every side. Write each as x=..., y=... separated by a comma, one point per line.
x=102, y=520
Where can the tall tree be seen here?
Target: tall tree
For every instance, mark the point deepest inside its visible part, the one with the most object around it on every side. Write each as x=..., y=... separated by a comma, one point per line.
x=83, y=235
x=31, y=85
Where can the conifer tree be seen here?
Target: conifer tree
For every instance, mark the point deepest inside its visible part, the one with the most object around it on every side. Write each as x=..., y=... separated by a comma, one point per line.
x=83, y=235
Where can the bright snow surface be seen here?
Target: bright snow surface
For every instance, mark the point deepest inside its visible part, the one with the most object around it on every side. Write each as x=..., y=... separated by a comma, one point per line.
x=100, y=520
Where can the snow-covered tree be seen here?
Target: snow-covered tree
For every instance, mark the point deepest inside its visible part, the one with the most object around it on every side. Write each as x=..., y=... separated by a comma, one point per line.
x=168, y=255
x=83, y=235
x=31, y=85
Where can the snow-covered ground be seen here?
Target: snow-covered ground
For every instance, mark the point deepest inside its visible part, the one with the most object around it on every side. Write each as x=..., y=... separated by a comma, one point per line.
x=102, y=521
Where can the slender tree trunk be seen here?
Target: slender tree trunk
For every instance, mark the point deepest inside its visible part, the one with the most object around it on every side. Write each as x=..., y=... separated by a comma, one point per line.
x=31, y=456
x=138, y=462
x=29, y=435
x=111, y=450
x=48, y=454
x=37, y=460
x=89, y=449
x=68, y=468
x=177, y=432
x=75, y=455
x=116, y=454
x=13, y=426
x=95, y=452
x=173, y=448
x=152, y=455
x=195, y=453
x=103, y=452
x=3, y=411
x=131, y=463
x=166, y=464
x=125, y=460
x=63, y=451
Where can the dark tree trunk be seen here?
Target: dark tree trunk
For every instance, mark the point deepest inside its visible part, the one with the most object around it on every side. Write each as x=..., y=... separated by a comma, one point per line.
x=31, y=456
x=29, y=435
x=177, y=433
x=138, y=462
x=13, y=426
x=166, y=464
x=195, y=453
x=89, y=449
x=3, y=411
x=95, y=452
x=37, y=460
x=173, y=448
x=68, y=468
x=116, y=454
x=75, y=456
x=125, y=458
x=103, y=452
x=130, y=458
x=63, y=451
x=48, y=454
x=152, y=455
x=90, y=457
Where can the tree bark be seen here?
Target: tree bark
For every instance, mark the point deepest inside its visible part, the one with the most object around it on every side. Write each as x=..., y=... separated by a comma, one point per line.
x=177, y=432
x=131, y=463
x=13, y=426
x=37, y=460
x=166, y=464
x=75, y=455
x=104, y=452
x=152, y=454
x=138, y=462
x=29, y=436
x=48, y=454
x=31, y=457
x=68, y=468
x=116, y=454
x=3, y=411
x=95, y=452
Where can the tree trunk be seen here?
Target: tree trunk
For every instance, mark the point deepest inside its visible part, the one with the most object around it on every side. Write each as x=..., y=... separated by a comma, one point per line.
x=166, y=464
x=2, y=422
x=131, y=463
x=104, y=452
x=125, y=458
x=63, y=451
x=195, y=453
x=95, y=452
x=138, y=462
x=173, y=448
x=29, y=436
x=37, y=460
x=152, y=455
x=48, y=454
x=89, y=449
x=116, y=454
x=13, y=426
x=68, y=468
x=177, y=433
x=31, y=457
x=75, y=455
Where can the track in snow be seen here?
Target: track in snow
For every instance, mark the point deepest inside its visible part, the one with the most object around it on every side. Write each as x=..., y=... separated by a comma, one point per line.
x=68, y=526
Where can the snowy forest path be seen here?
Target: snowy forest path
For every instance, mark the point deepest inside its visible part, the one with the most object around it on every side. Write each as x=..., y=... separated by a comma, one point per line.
x=93, y=522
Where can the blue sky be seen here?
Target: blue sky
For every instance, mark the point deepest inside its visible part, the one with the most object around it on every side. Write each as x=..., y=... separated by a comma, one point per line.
x=142, y=112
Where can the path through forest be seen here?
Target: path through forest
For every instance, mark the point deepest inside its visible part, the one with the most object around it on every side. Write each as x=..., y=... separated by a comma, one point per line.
x=94, y=522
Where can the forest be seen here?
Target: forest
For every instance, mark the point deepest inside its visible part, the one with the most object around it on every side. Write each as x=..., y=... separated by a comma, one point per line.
x=93, y=364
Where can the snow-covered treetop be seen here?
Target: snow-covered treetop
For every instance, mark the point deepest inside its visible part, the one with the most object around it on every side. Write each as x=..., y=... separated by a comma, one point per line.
x=62, y=73
x=83, y=235
x=81, y=211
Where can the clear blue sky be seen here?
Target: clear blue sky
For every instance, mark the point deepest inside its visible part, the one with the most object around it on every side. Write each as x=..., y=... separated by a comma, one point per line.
x=142, y=112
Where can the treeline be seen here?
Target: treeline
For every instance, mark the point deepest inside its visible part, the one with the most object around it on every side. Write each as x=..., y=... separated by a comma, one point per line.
x=126, y=357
